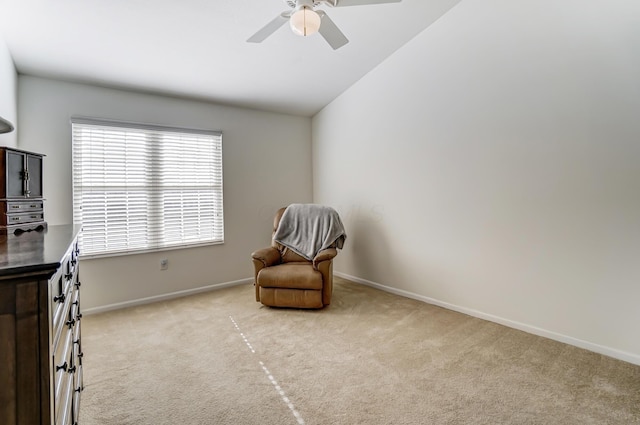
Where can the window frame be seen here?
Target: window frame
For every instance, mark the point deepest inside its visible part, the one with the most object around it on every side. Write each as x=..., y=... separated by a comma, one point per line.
x=152, y=135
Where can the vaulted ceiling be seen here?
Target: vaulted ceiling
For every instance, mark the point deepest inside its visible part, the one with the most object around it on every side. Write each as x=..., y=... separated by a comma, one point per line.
x=198, y=48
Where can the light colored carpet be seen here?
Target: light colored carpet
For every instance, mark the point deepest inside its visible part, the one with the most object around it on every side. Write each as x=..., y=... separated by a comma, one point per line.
x=369, y=358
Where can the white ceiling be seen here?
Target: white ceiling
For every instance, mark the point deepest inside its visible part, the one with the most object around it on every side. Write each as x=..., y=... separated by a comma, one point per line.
x=198, y=48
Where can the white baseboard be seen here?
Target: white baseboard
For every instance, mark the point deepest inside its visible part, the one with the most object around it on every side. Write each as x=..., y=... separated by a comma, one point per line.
x=607, y=351
x=163, y=297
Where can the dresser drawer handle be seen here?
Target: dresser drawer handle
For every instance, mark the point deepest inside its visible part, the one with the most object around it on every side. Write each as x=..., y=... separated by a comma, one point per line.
x=34, y=206
x=15, y=207
x=59, y=298
x=35, y=216
x=70, y=323
x=15, y=218
x=63, y=367
x=71, y=369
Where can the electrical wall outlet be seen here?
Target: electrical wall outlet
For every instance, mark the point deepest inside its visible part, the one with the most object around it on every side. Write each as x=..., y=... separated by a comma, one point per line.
x=164, y=264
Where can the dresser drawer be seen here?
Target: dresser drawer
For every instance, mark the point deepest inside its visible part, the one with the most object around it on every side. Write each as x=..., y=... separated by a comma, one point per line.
x=78, y=385
x=12, y=207
x=62, y=362
x=21, y=218
x=76, y=400
x=77, y=347
x=65, y=369
x=63, y=406
x=61, y=293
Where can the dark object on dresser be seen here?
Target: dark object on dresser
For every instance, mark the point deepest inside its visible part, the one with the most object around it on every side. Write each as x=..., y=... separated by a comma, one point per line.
x=21, y=201
x=40, y=345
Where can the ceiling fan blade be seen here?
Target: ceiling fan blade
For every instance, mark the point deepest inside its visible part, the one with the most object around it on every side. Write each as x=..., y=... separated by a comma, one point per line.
x=270, y=28
x=344, y=3
x=330, y=32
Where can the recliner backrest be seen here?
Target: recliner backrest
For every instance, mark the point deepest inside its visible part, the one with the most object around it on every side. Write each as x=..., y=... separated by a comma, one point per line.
x=286, y=254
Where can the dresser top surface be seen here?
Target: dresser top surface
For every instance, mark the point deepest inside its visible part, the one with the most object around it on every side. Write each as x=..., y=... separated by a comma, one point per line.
x=35, y=251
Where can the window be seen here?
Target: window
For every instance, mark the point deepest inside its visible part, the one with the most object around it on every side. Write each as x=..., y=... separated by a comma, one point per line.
x=141, y=187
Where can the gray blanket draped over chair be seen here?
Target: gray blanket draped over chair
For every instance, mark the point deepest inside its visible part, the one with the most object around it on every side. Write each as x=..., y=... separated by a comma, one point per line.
x=307, y=229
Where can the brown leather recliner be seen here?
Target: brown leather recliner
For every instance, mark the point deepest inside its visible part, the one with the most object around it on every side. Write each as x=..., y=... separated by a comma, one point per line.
x=286, y=279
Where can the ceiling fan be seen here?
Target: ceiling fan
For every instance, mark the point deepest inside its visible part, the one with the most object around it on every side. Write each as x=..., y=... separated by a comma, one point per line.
x=305, y=20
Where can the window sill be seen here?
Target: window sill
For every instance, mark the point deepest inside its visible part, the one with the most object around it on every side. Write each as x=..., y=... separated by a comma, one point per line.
x=147, y=251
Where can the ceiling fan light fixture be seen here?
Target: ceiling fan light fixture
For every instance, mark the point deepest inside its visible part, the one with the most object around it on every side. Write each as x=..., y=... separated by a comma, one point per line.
x=305, y=21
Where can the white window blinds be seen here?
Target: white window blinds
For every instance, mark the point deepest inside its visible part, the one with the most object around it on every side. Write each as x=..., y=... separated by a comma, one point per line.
x=141, y=187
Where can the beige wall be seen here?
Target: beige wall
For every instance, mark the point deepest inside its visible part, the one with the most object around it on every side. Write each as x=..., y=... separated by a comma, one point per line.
x=8, y=94
x=491, y=166
x=267, y=160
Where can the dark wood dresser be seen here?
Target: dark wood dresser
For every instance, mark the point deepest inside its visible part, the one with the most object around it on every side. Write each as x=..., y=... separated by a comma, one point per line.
x=40, y=344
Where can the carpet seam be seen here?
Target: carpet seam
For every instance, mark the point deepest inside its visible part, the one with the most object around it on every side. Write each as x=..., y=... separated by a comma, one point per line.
x=270, y=376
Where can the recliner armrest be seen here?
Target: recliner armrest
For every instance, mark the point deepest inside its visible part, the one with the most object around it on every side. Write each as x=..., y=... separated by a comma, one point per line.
x=268, y=256
x=324, y=255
